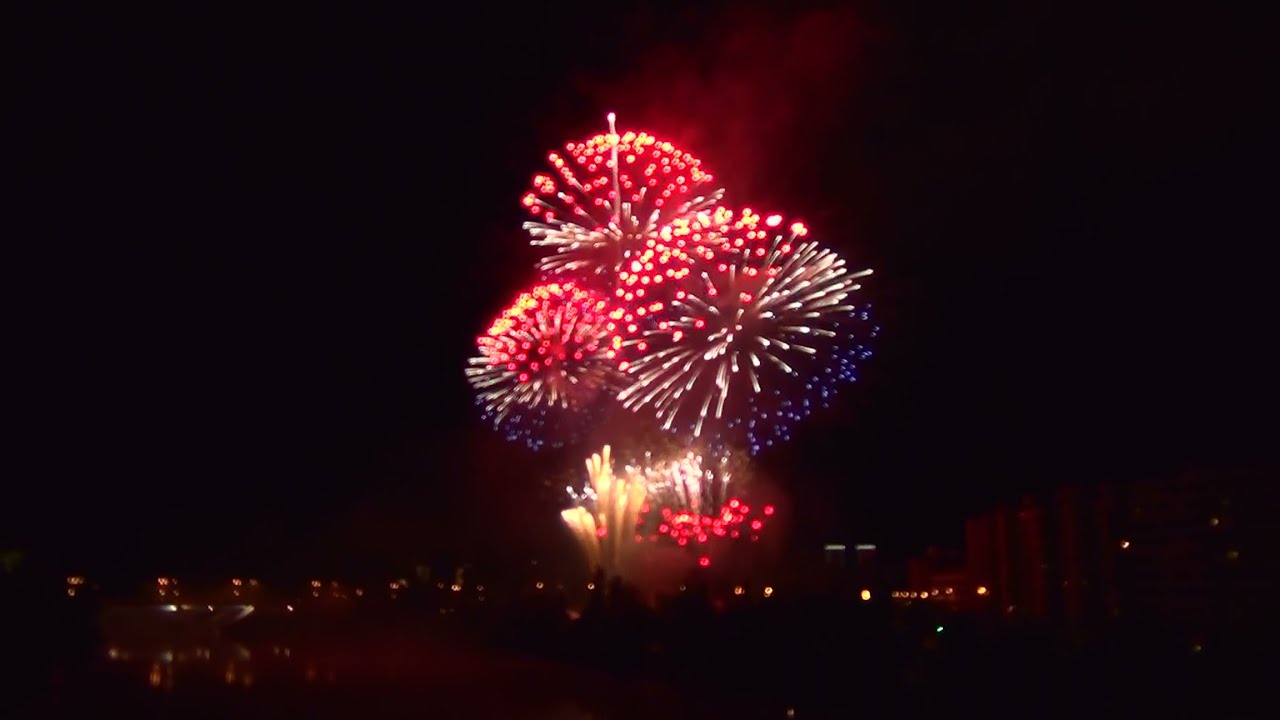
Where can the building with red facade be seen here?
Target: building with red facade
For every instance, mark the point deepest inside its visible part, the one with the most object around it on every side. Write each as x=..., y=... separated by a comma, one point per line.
x=1187, y=553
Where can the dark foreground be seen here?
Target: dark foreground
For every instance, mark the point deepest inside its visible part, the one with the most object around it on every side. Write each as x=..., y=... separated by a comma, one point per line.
x=806, y=659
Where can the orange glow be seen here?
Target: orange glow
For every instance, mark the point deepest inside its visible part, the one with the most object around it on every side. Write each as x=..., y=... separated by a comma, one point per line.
x=865, y=595
x=982, y=589
x=768, y=591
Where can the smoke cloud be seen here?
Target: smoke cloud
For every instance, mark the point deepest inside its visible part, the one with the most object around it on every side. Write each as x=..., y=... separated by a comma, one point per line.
x=756, y=93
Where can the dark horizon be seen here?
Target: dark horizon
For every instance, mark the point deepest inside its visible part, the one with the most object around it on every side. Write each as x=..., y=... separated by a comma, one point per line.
x=255, y=254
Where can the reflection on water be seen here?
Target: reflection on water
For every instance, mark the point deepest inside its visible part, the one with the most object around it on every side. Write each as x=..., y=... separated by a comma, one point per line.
x=277, y=679
x=157, y=667
x=164, y=666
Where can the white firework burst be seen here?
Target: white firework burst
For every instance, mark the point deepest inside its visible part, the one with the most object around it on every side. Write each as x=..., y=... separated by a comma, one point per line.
x=755, y=318
x=695, y=480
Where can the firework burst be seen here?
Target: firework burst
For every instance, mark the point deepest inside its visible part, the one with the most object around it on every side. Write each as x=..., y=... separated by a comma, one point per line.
x=694, y=479
x=757, y=335
x=608, y=196
x=691, y=492
x=543, y=364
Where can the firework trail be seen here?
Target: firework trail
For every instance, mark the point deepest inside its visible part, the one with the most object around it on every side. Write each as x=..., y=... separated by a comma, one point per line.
x=544, y=363
x=757, y=335
x=605, y=513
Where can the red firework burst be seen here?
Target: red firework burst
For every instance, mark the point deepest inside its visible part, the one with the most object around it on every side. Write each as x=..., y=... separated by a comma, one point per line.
x=549, y=351
x=609, y=195
x=735, y=520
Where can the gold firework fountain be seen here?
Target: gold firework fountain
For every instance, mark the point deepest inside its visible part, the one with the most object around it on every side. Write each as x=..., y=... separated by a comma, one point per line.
x=605, y=514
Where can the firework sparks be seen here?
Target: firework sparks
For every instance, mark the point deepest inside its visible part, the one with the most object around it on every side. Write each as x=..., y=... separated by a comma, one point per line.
x=543, y=363
x=761, y=312
x=649, y=283
x=693, y=479
x=608, y=196
x=605, y=513
x=695, y=506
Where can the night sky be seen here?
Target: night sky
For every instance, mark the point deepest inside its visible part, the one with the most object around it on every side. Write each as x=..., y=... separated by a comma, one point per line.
x=253, y=252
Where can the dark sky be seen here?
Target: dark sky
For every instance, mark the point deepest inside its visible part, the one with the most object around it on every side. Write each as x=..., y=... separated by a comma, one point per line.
x=253, y=250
